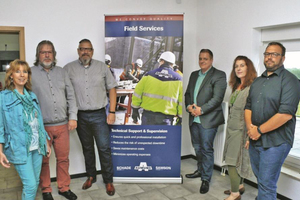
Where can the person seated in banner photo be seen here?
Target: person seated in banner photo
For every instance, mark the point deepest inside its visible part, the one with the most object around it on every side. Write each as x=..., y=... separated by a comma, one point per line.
x=91, y=80
x=159, y=94
x=203, y=100
x=131, y=72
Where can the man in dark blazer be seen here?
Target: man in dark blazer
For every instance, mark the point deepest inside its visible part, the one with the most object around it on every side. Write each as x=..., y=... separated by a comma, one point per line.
x=203, y=101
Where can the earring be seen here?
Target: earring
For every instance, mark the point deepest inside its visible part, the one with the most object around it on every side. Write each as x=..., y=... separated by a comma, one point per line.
x=11, y=80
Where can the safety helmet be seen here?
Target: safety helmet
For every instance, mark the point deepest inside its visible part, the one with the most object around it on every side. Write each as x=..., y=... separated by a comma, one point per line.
x=139, y=62
x=107, y=57
x=167, y=56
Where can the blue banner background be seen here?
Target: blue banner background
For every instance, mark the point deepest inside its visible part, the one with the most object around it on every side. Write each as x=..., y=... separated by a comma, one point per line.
x=164, y=159
x=170, y=28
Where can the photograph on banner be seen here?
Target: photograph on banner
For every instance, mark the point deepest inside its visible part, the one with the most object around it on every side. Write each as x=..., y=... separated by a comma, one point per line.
x=145, y=55
x=133, y=47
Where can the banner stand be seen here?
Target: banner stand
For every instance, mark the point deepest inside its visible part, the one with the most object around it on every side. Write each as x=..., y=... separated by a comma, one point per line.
x=148, y=180
x=146, y=152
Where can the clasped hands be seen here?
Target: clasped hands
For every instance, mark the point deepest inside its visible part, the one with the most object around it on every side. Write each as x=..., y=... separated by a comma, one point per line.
x=194, y=110
x=253, y=133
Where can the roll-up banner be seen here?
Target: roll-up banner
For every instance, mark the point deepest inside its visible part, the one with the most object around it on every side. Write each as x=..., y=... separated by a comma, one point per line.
x=146, y=137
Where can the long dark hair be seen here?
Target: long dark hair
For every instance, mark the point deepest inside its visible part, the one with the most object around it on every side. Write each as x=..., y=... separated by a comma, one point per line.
x=234, y=81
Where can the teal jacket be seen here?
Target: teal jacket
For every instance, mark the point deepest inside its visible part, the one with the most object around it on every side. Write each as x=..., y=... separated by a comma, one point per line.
x=12, y=134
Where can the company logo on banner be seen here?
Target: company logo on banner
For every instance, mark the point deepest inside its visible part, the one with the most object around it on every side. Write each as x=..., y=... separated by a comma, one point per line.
x=143, y=167
x=122, y=168
x=146, y=136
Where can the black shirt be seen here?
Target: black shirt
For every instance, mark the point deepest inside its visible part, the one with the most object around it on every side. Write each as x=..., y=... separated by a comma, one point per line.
x=269, y=95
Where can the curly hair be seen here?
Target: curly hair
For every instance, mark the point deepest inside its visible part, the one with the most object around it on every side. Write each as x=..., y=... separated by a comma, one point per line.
x=13, y=67
x=234, y=81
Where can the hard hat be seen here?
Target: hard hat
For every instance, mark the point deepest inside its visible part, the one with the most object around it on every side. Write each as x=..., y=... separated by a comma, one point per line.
x=139, y=62
x=167, y=56
x=107, y=57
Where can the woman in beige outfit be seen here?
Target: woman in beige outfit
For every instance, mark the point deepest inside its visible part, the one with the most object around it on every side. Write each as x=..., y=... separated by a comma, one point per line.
x=235, y=153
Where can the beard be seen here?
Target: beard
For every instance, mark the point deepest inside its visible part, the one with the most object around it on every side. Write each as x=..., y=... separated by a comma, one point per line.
x=274, y=66
x=46, y=65
x=86, y=60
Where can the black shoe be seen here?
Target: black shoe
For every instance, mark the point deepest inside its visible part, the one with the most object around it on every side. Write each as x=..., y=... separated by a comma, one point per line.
x=196, y=174
x=204, y=187
x=68, y=195
x=47, y=196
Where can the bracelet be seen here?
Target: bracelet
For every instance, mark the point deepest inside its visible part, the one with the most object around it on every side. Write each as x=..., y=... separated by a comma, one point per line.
x=258, y=130
x=113, y=112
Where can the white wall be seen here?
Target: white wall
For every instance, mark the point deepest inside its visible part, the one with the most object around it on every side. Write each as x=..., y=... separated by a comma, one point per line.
x=226, y=27
x=65, y=23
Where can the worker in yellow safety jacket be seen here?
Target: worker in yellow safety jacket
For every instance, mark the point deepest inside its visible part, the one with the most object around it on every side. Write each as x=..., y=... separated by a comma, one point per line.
x=176, y=69
x=159, y=93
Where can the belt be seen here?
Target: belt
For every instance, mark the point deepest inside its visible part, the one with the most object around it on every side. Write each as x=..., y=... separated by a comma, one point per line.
x=90, y=111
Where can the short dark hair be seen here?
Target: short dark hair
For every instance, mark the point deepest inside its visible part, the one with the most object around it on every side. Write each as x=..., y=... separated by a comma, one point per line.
x=85, y=40
x=207, y=51
x=39, y=46
x=278, y=44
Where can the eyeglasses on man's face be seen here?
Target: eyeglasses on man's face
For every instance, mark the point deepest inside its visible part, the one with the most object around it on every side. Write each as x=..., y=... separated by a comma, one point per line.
x=85, y=49
x=45, y=52
x=273, y=55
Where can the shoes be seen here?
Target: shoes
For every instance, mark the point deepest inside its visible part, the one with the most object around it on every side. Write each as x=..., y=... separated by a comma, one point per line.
x=241, y=190
x=47, y=196
x=237, y=198
x=88, y=183
x=68, y=195
x=204, y=187
x=196, y=174
x=110, y=189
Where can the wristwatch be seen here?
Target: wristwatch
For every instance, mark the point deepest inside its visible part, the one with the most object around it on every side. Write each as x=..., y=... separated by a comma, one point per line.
x=258, y=130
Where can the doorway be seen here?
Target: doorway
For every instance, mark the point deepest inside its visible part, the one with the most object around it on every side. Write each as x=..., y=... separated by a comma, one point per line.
x=12, y=46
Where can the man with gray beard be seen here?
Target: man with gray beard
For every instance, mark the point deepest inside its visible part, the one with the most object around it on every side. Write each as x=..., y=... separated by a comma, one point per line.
x=91, y=80
x=55, y=92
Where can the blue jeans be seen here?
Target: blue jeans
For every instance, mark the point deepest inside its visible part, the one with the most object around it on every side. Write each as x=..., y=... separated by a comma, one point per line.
x=92, y=125
x=266, y=165
x=202, y=141
x=30, y=174
x=155, y=118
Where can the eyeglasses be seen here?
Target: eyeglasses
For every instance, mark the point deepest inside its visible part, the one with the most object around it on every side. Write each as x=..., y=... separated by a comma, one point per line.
x=85, y=49
x=273, y=55
x=46, y=52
